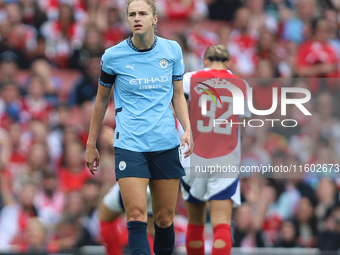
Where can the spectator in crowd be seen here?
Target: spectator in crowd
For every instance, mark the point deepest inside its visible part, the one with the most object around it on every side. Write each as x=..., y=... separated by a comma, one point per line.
x=63, y=36
x=75, y=205
x=115, y=30
x=191, y=61
x=199, y=38
x=326, y=107
x=181, y=10
x=91, y=194
x=327, y=194
x=50, y=200
x=86, y=87
x=86, y=110
x=52, y=84
x=223, y=10
x=70, y=234
x=14, y=217
x=51, y=8
x=302, y=145
x=18, y=152
x=5, y=30
x=41, y=49
x=295, y=28
x=263, y=86
x=253, y=153
x=331, y=15
x=287, y=235
x=74, y=174
x=92, y=45
x=107, y=176
x=58, y=125
x=329, y=238
x=75, y=208
x=36, y=238
x=36, y=163
x=318, y=59
x=246, y=233
x=22, y=37
x=279, y=9
x=32, y=14
x=34, y=104
x=267, y=49
x=96, y=12
x=305, y=223
x=242, y=44
x=8, y=66
x=259, y=19
x=11, y=104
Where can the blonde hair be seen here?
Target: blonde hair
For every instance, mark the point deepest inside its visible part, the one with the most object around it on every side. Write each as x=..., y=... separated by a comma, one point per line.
x=152, y=4
x=217, y=53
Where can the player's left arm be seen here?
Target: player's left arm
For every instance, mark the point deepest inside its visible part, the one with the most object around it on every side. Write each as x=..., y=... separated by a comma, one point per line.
x=181, y=110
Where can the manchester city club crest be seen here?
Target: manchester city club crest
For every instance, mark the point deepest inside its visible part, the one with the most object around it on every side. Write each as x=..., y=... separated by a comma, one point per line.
x=163, y=63
x=122, y=165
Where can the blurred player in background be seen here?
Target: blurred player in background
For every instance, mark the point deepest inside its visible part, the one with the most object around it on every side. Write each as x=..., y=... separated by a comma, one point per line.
x=213, y=143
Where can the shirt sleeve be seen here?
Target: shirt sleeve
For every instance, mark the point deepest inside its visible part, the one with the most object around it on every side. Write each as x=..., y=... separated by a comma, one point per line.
x=186, y=83
x=178, y=69
x=107, y=76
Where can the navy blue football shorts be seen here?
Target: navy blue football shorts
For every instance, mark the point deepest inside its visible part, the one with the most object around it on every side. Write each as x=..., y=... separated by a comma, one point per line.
x=164, y=164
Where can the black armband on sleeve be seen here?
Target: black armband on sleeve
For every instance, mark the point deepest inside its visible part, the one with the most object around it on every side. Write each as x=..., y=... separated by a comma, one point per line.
x=177, y=77
x=107, y=80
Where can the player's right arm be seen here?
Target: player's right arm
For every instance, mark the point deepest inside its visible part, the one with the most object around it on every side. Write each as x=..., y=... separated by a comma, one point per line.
x=106, y=81
x=100, y=106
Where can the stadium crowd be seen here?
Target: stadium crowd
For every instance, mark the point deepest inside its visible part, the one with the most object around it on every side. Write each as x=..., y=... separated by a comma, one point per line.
x=50, y=54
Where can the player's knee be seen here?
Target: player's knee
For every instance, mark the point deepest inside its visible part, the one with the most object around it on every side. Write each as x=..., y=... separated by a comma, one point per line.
x=195, y=244
x=164, y=219
x=219, y=244
x=135, y=214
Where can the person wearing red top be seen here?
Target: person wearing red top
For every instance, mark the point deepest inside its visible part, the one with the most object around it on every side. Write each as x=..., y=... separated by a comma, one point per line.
x=34, y=104
x=214, y=144
x=74, y=174
x=15, y=216
x=263, y=86
x=242, y=44
x=198, y=37
x=317, y=58
x=63, y=36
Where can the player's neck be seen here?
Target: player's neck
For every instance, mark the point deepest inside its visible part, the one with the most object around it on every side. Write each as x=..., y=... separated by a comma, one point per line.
x=143, y=42
x=217, y=65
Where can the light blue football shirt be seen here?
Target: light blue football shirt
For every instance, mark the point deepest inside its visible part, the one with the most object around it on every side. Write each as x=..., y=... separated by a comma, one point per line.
x=143, y=91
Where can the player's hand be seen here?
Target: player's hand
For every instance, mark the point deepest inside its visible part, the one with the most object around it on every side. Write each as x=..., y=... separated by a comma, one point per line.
x=92, y=159
x=187, y=139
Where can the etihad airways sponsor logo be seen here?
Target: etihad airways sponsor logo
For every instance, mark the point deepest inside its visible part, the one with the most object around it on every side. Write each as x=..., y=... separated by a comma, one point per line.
x=151, y=80
x=157, y=86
